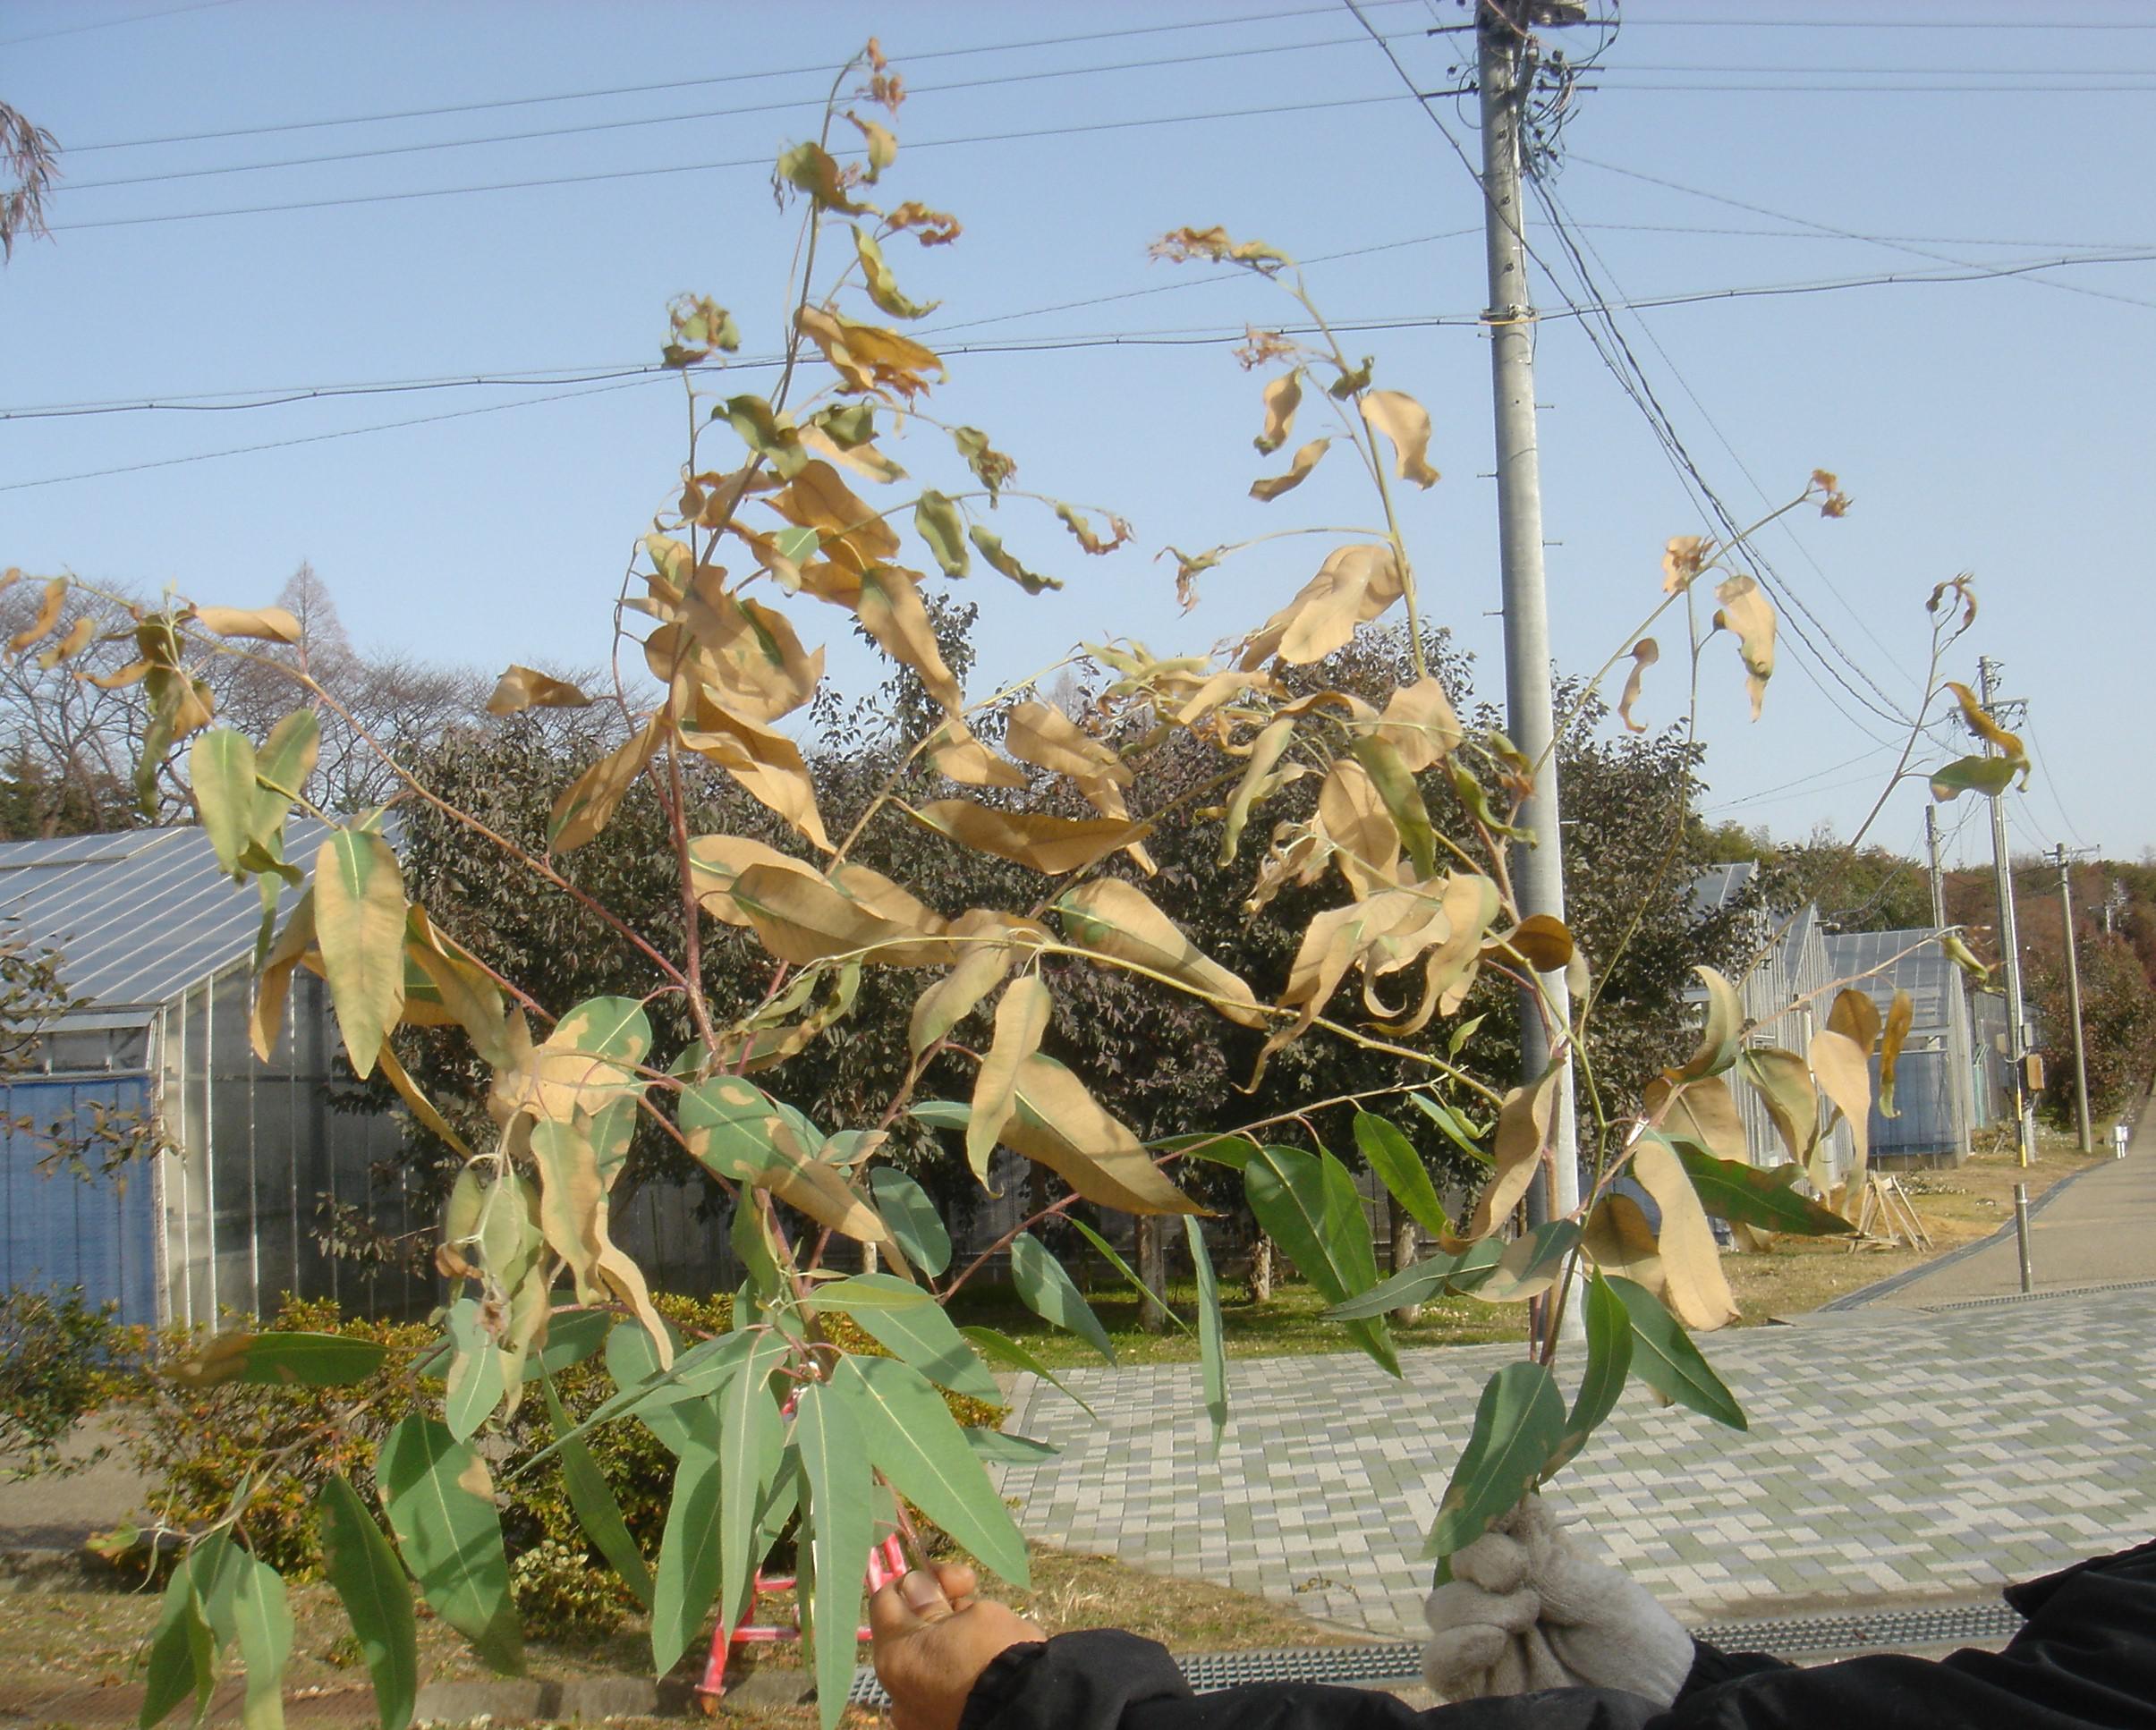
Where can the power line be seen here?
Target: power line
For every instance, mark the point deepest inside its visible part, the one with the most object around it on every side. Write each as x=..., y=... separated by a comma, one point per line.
x=820, y=69
x=2050, y=781
x=1560, y=218
x=1914, y=250
x=792, y=103
x=312, y=438
x=1187, y=338
x=111, y=23
x=282, y=395
x=763, y=161
x=1876, y=23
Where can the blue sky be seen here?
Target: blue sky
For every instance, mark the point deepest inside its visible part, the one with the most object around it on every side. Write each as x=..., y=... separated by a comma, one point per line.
x=1997, y=424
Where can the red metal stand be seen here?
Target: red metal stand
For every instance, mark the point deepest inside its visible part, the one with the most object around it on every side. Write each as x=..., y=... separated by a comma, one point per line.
x=886, y=1563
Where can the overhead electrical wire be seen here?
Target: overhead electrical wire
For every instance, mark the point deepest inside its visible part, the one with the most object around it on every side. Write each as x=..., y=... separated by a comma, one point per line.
x=585, y=128
x=1915, y=249
x=820, y=69
x=112, y=23
x=1634, y=384
x=1561, y=221
x=763, y=160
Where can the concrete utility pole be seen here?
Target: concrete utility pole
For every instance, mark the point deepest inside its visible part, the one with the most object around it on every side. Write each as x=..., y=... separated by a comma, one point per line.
x=2081, y=1056
x=1959, y=1069
x=2009, y=940
x=1537, y=871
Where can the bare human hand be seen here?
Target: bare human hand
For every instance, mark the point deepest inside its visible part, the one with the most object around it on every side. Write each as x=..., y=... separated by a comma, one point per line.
x=934, y=1637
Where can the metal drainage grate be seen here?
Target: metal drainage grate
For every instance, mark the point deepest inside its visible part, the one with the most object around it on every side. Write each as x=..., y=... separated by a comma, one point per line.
x=2039, y=1297
x=1785, y=1635
x=1401, y=1660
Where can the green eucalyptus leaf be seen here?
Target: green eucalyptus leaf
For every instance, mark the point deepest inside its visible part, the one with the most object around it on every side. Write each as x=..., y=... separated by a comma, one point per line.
x=1006, y=1351
x=909, y=1324
x=1046, y=1289
x=364, y=1570
x=1307, y=1204
x=913, y=1219
x=1400, y=1168
x=439, y=1497
x=1212, y=1352
x=1669, y=1361
x=1519, y=1423
x=840, y=1524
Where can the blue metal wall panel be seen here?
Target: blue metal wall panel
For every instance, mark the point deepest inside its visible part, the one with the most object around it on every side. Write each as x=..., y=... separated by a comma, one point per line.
x=60, y=1230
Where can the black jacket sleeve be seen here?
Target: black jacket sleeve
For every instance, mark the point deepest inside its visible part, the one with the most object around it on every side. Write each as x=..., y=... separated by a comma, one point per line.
x=2086, y=1660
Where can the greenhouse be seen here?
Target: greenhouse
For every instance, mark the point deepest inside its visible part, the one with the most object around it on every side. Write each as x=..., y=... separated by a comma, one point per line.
x=156, y=947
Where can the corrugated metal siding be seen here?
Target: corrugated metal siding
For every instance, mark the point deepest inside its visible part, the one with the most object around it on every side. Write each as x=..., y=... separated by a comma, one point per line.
x=1781, y=992
x=61, y=1230
x=1928, y=1121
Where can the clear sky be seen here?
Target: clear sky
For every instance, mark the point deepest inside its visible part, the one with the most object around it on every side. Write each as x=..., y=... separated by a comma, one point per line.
x=1997, y=424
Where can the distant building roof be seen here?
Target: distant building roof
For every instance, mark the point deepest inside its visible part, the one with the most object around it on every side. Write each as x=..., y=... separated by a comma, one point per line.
x=1718, y=885
x=1923, y=972
x=137, y=916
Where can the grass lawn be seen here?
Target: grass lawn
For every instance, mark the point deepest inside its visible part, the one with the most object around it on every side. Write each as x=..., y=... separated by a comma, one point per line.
x=67, y=1656
x=1796, y=1275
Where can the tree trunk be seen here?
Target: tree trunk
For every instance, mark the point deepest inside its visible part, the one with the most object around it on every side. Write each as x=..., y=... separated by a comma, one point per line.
x=1406, y=1250
x=1261, y=1268
x=1152, y=1268
x=870, y=1261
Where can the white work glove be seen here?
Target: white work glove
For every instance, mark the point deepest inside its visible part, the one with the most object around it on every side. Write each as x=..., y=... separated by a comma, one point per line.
x=1523, y=1613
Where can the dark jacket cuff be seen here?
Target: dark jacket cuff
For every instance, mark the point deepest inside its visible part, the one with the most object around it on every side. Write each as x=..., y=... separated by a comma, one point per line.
x=1081, y=1680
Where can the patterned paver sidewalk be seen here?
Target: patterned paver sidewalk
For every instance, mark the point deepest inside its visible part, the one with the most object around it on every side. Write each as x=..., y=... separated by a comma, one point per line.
x=1891, y=1453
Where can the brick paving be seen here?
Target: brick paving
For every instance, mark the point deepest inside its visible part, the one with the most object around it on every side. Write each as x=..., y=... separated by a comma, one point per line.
x=1893, y=1453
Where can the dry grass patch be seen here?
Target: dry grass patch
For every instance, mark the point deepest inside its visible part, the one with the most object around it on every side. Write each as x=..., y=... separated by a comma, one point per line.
x=1958, y=1206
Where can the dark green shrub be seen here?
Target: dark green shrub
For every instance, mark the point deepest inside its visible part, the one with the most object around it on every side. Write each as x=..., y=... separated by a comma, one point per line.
x=59, y=1362
x=197, y=1446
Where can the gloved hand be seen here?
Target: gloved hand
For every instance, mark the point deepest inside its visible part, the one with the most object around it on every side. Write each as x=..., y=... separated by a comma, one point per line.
x=1523, y=1612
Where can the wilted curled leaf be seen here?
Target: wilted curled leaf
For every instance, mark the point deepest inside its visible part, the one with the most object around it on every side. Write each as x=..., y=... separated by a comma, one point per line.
x=1964, y=588
x=271, y=624
x=1118, y=920
x=1298, y=471
x=1021, y=1021
x=936, y=520
x=72, y=644
x=1353, y=818
x=767, y=764
x=1723, y=1029
x=1693, y=1285
x=868, y=359
x=1188, y=567
x=992, y=550
x=1959, y=952
x=979, y=970
x=1075, y=520
x=882, y=286
x=2012, y=752
x=1180, y=245
x=47, y=620
x=957, y=753
x=1703, y=1111
x=892, y=612
x=1784, y=1081
x=1420, y=725
x=1258, y=779
x=1682, y=560
x=522, y=687
x=1619, y=1241
x=1060, y=1125
x=810, y=168
x=1352, y=586
x=1746, y=611
x=802, y=919
x=1522, y=1133
x=1543, y=940
x=1900, y=1013
x=1406, y=422
x=1989, y=776
x=1283, y=397
x=1051, y=845
x=715, y=861
x=1645, y=653
x=1049, y=739
x=1842, y=1068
